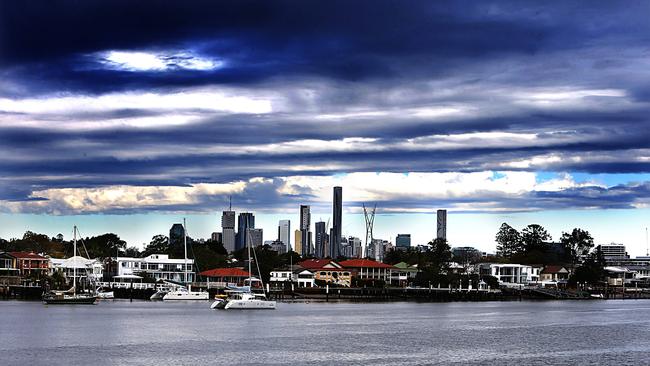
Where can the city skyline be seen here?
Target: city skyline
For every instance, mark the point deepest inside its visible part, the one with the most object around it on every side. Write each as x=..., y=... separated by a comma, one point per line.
x=494, y=111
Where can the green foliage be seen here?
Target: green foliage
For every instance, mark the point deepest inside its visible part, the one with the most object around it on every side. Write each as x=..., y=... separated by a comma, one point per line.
x=591, y=271
x=103, y=246
x=158, y=244
x=535, y=238
x=410, y=255
x=577, y=244
x=206, y=258
x=509, y=241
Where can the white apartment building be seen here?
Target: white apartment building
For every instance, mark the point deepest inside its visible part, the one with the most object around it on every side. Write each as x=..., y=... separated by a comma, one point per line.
x=158, y=266
x=510, y=274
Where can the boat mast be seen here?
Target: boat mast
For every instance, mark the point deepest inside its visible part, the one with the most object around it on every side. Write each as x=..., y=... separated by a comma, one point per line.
x=250, y=271
x=185, y=246
x=74, y=266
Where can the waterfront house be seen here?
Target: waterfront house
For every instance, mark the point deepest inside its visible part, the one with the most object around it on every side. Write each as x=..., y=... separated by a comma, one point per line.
x=304, y=277
x=222, y=277
x=157, y=266
x=554, y=273
x=9, y=272
x=30, y=264
x=86, y=269
x=510, y=274
x=328, y=271
x=368, y=269
x=403, y=274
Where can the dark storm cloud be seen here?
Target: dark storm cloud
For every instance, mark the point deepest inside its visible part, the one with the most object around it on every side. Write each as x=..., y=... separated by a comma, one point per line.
x=507, y=67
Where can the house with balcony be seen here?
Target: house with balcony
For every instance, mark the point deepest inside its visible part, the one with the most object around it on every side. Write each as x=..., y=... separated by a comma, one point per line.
x=510, y=274
x=328, y=271
x=30, y=264
x=9, y=272
x=554, y=273
x=157, y=266
x=368, y=269
x=403, y=274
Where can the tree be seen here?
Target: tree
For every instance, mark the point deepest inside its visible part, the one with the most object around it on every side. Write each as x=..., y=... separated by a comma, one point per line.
x=158, y=244
x=534, y=238
x=508, y=240
x=591, y=271
x=132, y=252
x=577, y=244
x=104, y=246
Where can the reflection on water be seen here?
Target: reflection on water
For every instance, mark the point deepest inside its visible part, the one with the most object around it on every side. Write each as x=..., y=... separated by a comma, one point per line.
x=161, y=333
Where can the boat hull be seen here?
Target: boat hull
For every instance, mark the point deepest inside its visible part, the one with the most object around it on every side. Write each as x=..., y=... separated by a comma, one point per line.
x=250, y=305
x=70, y=301
x=186, y=296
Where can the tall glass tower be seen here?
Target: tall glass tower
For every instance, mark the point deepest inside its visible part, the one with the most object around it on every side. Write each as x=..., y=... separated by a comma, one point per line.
x=337, y=208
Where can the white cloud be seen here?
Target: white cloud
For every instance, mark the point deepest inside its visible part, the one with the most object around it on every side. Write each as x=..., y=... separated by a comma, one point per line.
x=149, y=61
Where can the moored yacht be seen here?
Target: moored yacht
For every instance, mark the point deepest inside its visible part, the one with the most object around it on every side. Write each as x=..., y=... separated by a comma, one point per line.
x=244, y=298
x=184, y=293
x=71, y=296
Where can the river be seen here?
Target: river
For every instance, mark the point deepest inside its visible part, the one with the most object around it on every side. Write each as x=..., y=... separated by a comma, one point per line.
x=190, y=333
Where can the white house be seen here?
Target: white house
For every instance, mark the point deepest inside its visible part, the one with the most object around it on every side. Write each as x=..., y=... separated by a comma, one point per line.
x=158, y=266
x=509, y=273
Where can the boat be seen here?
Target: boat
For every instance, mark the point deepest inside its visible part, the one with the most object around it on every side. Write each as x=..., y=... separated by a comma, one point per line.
x=243, y=297
x=101, y=294
x=158, y=295
x=185, y=293
x=71, y=296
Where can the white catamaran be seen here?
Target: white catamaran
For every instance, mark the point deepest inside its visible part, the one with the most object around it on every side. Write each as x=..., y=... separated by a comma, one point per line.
x=71, y=296
x=186, y=293
x=244, y=298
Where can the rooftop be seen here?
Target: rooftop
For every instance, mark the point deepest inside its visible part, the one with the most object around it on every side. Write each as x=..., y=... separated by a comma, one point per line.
x=225, y=272
x=27, y=255
x=364, y=263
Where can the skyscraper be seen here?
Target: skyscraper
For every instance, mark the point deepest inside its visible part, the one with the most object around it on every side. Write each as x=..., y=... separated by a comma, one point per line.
x=337, y=211
x=298, y=242
x=176, y=234
x=256, y=237
x=284, y=233
x=442, y=225
x=228, y=230
x=246, y=221
x=403, y=241
x=305, y=235
x=320, y=241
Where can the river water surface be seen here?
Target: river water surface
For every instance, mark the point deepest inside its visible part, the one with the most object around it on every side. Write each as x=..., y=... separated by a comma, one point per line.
x=190, y=333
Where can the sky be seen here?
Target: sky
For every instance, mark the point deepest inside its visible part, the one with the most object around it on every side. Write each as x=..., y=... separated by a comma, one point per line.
x=126, y=116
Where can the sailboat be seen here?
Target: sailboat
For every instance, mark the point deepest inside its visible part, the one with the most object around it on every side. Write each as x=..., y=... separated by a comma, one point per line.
x=71, y=296
x=244, y=298
x=186, y=293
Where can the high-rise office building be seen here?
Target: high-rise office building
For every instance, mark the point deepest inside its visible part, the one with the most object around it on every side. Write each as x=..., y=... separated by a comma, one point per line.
x=357, y=248
x=284, y=233
x=228, y=230
x=246, y=221
x=176, y=234
x=305, y=234
x=298, y=242
x=403, y=241
x=337, y=211
x=442, y=225
x=320, y=241
x=256, y=237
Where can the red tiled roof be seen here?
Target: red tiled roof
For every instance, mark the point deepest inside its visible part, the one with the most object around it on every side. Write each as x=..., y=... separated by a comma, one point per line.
x=364, y=263
x=26, y=255
x=314, y=263
x=553, y=269
x=225, y=272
